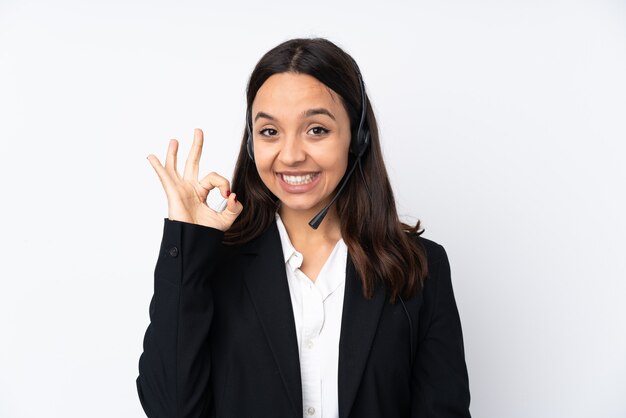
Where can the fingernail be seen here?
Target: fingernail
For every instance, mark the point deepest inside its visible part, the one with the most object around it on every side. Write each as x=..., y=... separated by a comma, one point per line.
x=235, y=198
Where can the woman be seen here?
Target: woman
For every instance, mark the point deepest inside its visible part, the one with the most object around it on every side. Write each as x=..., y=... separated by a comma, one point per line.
x=305, y=296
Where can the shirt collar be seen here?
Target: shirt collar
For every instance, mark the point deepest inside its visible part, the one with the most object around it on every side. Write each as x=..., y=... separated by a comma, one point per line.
x=327, y=283
x=292, y=257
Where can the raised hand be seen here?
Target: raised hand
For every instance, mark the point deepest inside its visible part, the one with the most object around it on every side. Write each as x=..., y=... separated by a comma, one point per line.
x=186, y=196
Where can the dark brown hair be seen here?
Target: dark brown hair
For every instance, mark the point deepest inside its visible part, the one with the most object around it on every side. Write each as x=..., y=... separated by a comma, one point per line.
x=381, y=247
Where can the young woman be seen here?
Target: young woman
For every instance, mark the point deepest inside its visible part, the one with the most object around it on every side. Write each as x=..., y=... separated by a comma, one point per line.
x=306, y=296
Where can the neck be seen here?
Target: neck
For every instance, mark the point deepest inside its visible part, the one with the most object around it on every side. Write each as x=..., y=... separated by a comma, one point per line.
x=297, y=226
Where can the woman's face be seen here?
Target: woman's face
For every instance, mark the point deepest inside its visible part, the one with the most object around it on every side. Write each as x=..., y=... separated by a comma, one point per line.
x=301, y=134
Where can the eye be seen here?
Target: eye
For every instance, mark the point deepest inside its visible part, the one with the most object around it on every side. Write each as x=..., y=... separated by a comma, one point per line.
x=268, y=132
x=318, y=130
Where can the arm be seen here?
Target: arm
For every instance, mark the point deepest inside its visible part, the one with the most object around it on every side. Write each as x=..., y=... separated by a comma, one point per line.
x=439, y=380
x=174, y=368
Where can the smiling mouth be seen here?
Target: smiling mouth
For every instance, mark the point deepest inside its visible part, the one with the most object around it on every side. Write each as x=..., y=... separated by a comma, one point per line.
x=298, y=180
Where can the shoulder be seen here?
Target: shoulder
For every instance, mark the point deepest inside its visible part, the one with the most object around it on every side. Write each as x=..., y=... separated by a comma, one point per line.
x=434, y=251
x=437, y=278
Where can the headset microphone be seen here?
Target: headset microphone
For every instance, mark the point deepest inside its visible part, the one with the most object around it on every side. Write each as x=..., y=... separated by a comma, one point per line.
x=317, y=219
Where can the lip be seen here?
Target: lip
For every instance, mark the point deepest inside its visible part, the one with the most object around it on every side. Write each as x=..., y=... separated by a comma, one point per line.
x=298, y=188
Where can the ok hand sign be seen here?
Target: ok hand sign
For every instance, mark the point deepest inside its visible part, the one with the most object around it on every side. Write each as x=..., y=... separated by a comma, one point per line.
x=186, y=196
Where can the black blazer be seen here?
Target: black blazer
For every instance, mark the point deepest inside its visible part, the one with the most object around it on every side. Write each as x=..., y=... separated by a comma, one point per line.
x=222, y=340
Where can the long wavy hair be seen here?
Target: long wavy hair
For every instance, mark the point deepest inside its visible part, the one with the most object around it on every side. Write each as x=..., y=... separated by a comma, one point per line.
x=383, y=249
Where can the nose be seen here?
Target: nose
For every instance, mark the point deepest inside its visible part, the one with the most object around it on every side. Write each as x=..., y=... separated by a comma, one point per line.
x=292, y=150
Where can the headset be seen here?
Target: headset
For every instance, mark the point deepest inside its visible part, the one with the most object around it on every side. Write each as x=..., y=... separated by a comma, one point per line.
x=358, y=145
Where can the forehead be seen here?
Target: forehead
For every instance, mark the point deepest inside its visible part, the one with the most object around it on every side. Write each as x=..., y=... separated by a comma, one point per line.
x=287, y=92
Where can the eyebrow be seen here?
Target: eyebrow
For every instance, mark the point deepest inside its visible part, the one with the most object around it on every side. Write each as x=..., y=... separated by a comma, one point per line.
x=263, y=115
x=319, y=111
x=306, y=113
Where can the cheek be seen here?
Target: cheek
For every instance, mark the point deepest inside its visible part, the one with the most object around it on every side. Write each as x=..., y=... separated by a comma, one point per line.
x=262, y=160
x=333, y=159
x=264, y=166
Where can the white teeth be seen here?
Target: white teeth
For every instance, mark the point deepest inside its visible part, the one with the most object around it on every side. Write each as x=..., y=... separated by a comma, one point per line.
x=298, y=179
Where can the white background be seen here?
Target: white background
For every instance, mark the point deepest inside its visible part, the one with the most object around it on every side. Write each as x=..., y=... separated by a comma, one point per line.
x=503, y=127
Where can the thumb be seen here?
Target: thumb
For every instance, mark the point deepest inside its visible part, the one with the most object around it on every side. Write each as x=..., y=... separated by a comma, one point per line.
x=233, y=208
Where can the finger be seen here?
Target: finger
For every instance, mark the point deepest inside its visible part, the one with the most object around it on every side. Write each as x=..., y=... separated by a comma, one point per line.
x=233, y=208
x=170, y=159
x=212, y=180
x=193, y=160
x=164, y=176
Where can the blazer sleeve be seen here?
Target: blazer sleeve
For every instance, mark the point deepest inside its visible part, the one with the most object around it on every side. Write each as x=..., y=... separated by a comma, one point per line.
x=439, y=378
x=174, y=368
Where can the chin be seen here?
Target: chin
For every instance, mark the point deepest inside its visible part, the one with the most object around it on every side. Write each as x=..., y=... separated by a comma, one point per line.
x=303, y=205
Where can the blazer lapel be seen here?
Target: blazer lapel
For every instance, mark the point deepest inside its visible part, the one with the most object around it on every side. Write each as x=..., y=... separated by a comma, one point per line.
x=266, y=280
x=358, y=326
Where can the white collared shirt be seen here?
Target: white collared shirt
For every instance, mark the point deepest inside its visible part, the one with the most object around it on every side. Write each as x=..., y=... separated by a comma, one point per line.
x=317, y=308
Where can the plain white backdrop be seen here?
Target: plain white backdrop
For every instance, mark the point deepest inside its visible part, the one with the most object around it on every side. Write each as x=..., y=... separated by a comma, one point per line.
x=503, y=125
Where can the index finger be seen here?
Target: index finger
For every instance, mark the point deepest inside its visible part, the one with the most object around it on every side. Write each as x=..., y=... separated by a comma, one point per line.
x=213, y=180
